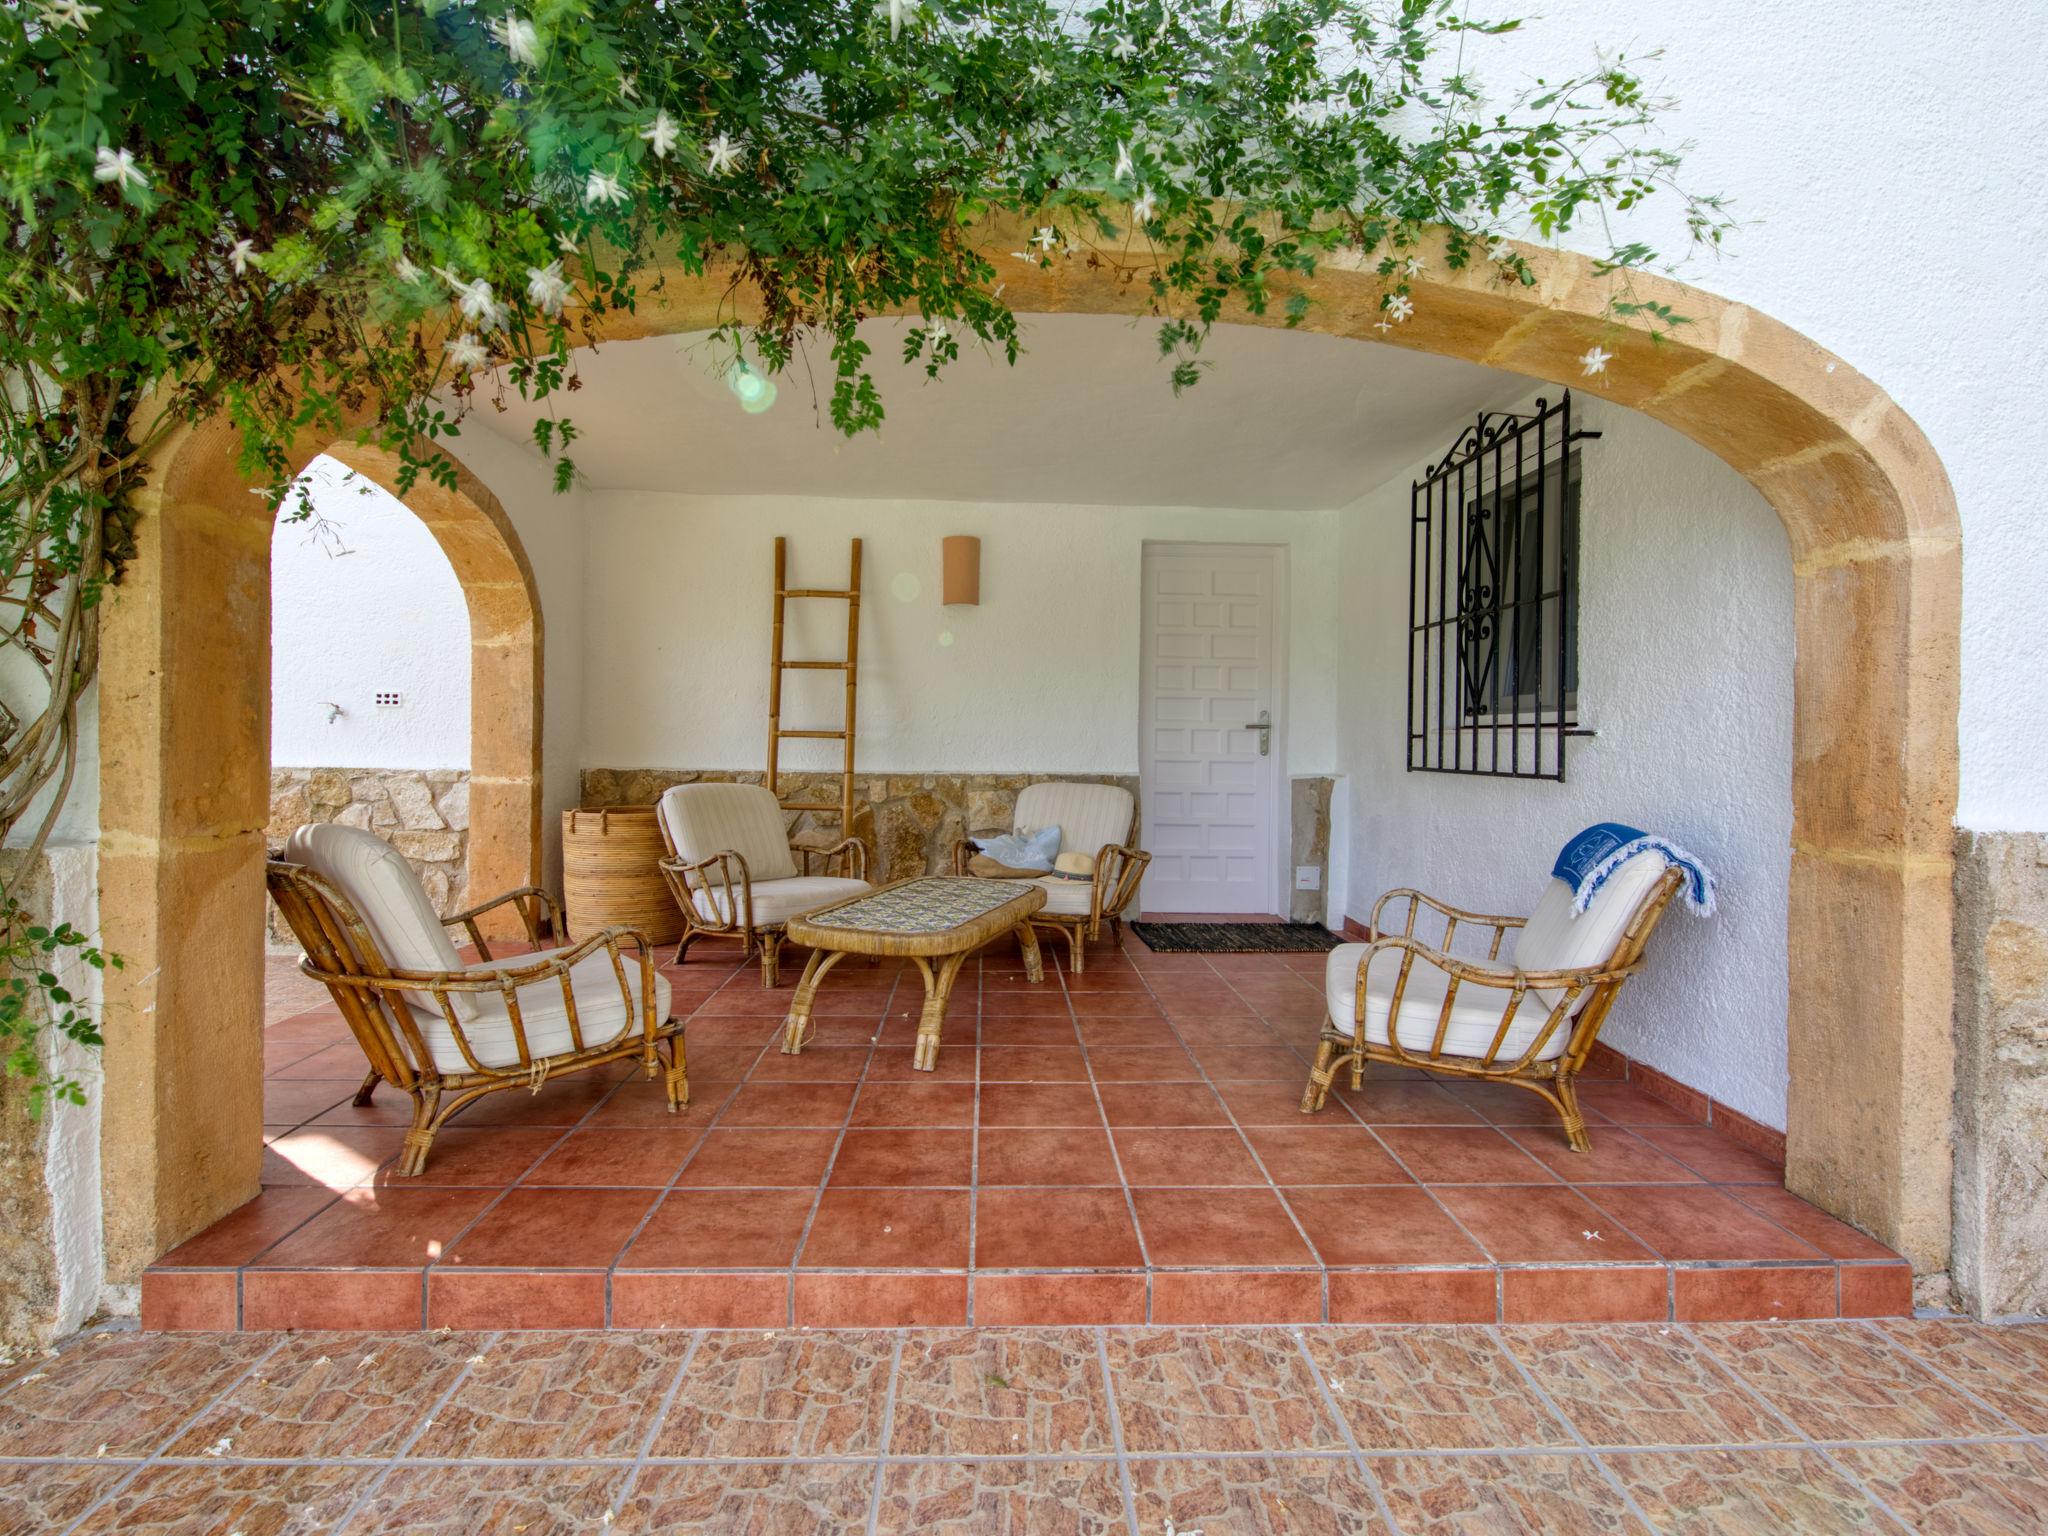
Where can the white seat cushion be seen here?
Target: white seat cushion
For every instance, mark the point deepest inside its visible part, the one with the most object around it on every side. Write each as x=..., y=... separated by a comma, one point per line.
x=1072, y=898
x=1475, y=1014
x=603, y=1012
x=703, y=819
x=386, y=894
x=1089, y=816
x=777, y=901
x=1557, y=939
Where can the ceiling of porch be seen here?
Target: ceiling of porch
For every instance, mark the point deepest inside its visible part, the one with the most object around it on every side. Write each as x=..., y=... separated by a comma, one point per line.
x=1281, y=419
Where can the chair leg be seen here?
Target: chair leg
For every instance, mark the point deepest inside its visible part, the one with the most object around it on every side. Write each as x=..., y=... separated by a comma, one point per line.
x=369, y=1087
x=1318, y=1089
x=412, y=1156
x=683, y=945
x=1567, y=1088
x=771, y=960
x=1076, y=948
x=678, y=1079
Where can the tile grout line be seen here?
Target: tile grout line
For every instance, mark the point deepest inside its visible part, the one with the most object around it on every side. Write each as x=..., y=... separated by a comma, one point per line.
x=376, y=1484
x=1116, y=1429
x=1713, y=1358
x=877, y=1461
x=1343, y=1424
x=182, y=1428
x=1571, y=1428
x=654, y=1429
x=1116, y=1161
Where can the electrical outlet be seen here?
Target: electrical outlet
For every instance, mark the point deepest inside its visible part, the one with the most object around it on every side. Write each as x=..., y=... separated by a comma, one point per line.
x=1308, y=877
x=389, y=699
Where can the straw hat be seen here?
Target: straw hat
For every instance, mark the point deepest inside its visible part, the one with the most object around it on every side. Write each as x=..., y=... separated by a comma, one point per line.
x=1080, y=865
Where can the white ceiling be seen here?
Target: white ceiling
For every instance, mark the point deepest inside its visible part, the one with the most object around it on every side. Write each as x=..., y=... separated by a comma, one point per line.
x=1282, y=420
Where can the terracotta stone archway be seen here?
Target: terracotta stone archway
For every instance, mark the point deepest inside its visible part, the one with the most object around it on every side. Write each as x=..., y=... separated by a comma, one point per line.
x=1877, y=556
x=184, y=767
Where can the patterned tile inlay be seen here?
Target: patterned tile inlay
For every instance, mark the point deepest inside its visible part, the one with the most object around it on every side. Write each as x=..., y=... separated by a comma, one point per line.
x=761, y=1499
x=256, y=1500
x=1217, y=1390
x=1738, y=1493
x=1981, y=1490
x=1255, y=1496
x=471, y=1500
x=1640, y=1384
x=557, y=1394
x=997, y=1392
x=124, y=1392
x=781, y=1394
x=1504, y=1496
x=1437, y=1388
x=1001, y=1498
x=2007, y=1367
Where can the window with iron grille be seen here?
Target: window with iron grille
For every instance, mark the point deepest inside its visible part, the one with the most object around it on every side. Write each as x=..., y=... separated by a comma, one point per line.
x=1493, y=601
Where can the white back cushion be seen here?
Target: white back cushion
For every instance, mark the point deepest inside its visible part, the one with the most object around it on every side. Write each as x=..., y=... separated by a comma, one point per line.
x=1088, y=815
x=703, y=819
x=1556, y=940
x=386, y=894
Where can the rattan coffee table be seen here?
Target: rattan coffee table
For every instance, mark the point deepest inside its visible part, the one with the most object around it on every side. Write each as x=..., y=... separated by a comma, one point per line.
x=935, y=921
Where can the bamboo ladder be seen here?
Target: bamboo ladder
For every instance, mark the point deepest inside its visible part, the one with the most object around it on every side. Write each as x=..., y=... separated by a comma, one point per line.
x=776, y=734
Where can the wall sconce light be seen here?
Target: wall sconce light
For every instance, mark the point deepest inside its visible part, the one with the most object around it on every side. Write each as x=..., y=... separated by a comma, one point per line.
x=961, y=554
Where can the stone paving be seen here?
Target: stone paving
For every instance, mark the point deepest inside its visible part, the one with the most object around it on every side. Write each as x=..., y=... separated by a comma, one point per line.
x=1924, y=1425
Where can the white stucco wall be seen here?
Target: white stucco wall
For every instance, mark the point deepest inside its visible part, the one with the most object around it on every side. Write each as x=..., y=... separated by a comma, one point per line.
x=1883, y=156
x=1685, y=673
x=362, y=601
x=1043, y=675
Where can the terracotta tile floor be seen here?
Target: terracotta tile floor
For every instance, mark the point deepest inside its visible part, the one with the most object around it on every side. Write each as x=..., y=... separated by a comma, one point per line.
x=1820, y=1427
x=1119, y=1147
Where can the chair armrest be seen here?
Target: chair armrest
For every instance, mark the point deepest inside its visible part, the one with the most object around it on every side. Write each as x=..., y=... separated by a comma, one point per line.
x=718, y=868
x=855, y=851
x=526, y=896
x=1453, y=916
x=1118, y=871
x=963, y=849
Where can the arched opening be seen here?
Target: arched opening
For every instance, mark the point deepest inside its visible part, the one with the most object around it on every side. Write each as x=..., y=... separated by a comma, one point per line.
x=1875, y=548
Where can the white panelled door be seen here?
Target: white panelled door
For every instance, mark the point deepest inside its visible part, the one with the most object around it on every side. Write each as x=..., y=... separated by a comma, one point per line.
x=1209, y=658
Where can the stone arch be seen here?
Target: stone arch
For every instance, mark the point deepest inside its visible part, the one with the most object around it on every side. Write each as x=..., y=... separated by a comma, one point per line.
x=184, y=765
x=1876, y=547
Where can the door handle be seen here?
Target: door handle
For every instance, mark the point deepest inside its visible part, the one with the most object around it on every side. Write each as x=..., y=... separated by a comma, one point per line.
x=1264, y=726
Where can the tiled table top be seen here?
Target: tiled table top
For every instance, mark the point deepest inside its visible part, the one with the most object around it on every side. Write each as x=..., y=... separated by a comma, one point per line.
x=1119, y=1147
x=1791, y=1427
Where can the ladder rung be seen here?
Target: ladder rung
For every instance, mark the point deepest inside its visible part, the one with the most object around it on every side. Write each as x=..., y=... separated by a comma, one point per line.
x=815, y=592
x=815, y=735
x=818, y=666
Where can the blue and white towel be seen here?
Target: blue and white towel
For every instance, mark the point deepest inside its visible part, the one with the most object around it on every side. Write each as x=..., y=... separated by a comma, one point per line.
x=1596, y=853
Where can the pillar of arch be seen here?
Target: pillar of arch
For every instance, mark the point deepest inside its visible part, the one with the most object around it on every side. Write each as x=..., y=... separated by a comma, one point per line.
x=185, y=791
x=1876, y=549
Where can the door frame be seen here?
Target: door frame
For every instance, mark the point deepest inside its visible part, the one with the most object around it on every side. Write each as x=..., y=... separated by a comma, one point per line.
x=1277, y=557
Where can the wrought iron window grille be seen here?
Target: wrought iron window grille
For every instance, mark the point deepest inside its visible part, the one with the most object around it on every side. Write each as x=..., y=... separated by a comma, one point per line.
x=1493, y=602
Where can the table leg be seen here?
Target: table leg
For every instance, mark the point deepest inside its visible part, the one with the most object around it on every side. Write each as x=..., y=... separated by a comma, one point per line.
x=796, y=1027
x=1027, y=940
x=938, y=988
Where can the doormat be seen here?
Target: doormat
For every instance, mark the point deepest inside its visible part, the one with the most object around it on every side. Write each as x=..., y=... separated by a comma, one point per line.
x=1235, y=938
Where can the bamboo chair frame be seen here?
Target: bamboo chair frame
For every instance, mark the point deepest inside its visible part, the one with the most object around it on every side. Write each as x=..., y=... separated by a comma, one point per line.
x=714, y=874
x=341, y=954
x=1555, y=1079
x=1118, y=870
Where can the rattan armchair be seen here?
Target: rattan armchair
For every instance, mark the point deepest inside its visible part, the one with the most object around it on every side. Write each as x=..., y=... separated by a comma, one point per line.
x=736, y=875
x=450, y=1033
x=1101, y=819
x=1529, y=1021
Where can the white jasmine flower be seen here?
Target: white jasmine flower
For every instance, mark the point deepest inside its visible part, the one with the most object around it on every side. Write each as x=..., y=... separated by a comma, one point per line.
x=1413, y=265
x=475, y=299
x=67, y=13
x=1384, y=325
x=1596, y=361
x=407, y=272
x=661, y=134
x=119, y=167
x=722, y=154
x=566, y=243
x=1045, y=239
x=545, y=288
x=1399, y=307
x=938, y=331
x=603, y=187
x=1123, y=48
x=1039, y=74
x=519, y=36
x=1500, y=250
x=898, y=12
x=239, y=254
x=1124, y=171
x=465, y=351
x=1145, y=208
x=629, y=87
x=220, y=1447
